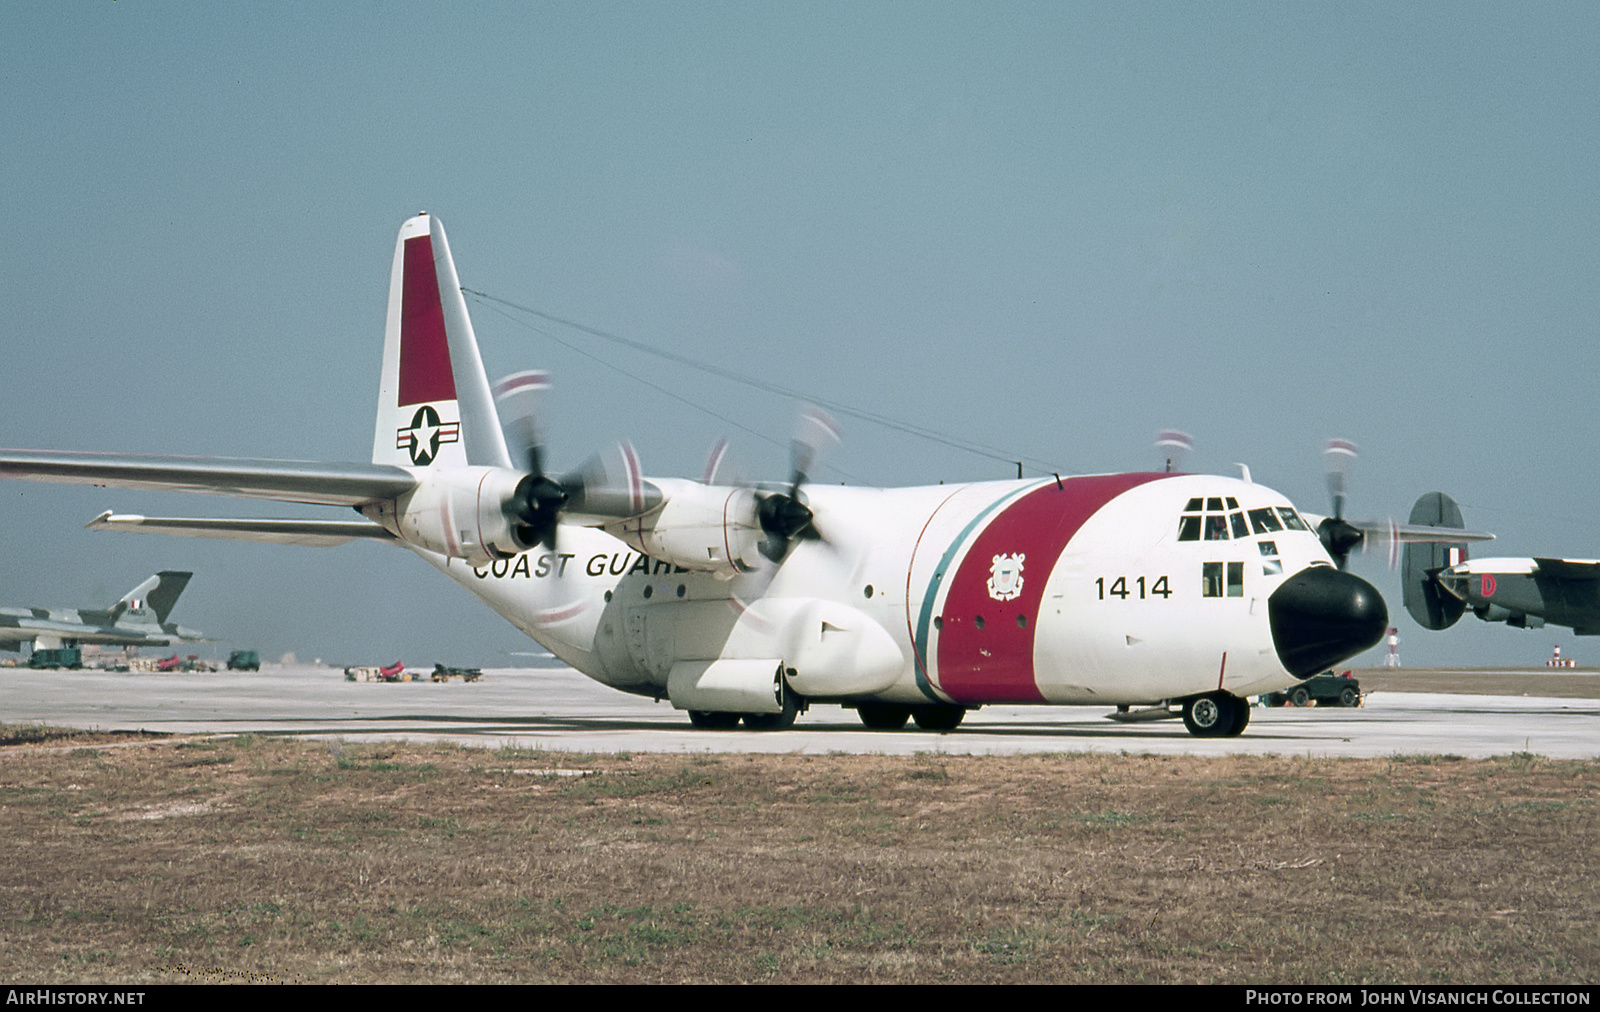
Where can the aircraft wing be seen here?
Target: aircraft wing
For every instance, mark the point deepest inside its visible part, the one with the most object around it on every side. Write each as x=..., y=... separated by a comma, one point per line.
x=310, y=533
x=284, y=480
x=1569, y=569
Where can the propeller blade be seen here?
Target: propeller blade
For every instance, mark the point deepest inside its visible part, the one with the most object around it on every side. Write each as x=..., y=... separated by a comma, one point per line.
x=1174, y=448
x=815, y=431
x=714, y=461
x=517, y=398
x=1337, y=458
x=610, y=485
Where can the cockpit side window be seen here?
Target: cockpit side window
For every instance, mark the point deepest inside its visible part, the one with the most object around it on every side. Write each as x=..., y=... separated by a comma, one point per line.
x=1291, y=519
x=1264, y=521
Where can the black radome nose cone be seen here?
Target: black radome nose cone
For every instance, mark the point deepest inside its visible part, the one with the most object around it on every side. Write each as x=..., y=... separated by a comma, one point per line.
x=1321, y=616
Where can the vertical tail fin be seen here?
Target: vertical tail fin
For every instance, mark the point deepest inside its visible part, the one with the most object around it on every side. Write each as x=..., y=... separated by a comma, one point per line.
x=434, y=404
x=158, y=593
x=1432, y=607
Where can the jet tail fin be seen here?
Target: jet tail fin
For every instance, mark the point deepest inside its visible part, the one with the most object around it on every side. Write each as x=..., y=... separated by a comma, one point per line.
x=158, y=593
x=435, y=408
x=1431, y=605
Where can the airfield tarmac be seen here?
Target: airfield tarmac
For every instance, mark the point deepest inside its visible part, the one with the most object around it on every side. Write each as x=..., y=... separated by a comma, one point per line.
x=556, y=708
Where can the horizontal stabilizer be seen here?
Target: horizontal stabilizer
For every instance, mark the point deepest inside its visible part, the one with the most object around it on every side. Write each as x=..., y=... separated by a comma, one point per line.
x=284, y=480
x=1420, y=534
x=311, y=533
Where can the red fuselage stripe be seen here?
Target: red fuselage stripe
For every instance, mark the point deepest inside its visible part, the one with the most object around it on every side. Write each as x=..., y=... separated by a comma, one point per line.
x=986, y=645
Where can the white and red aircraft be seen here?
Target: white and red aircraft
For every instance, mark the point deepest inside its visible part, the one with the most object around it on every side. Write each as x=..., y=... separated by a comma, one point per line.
x=740, y=603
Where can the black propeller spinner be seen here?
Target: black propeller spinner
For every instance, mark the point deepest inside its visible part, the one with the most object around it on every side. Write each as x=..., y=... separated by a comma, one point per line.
x=536, y=504
x=784, y=518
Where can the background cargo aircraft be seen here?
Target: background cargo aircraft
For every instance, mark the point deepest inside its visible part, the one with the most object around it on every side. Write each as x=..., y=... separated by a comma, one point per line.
x=746, y=603
x=138, y=619
x=1441, y=584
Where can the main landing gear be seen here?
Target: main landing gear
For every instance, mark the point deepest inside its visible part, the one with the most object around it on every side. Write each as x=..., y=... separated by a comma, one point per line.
x=710, y=720
x=1216, y=715
x=893, y=716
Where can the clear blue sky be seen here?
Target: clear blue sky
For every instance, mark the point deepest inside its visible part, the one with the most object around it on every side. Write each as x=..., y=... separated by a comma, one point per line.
x=1054, y=229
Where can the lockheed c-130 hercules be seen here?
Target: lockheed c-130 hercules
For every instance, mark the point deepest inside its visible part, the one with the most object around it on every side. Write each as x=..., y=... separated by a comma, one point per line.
x=748, y=603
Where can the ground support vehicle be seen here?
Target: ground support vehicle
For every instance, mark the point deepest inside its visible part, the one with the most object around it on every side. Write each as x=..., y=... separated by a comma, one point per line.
x=1326, y=689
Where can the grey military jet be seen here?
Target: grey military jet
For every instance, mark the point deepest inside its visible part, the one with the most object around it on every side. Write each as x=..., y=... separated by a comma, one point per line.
x=139, y=618
x=1441, y=584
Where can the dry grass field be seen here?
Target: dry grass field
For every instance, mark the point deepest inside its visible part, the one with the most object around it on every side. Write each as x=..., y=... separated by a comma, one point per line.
x=133, y=859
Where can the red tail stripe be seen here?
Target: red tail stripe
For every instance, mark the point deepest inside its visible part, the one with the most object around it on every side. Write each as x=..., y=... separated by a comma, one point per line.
x=425, y=373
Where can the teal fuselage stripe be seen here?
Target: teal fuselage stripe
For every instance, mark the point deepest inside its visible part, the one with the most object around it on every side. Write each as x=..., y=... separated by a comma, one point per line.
x=925, y=618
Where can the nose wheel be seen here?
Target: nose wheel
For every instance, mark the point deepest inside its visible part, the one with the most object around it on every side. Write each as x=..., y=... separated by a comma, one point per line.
x=1216, y=715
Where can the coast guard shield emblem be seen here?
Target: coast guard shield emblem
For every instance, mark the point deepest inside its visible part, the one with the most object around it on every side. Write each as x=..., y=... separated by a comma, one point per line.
x=1005, y=577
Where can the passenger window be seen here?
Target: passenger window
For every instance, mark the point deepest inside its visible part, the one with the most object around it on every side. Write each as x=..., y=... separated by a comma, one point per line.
x=1235, y=579
x=1211, y=579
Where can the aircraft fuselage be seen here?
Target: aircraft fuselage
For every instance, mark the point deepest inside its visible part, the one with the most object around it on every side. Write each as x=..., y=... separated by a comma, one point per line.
x=1110, y=589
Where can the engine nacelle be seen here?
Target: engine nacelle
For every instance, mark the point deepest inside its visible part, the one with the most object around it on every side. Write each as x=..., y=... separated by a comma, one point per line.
x=459, y=513
x=706, y=528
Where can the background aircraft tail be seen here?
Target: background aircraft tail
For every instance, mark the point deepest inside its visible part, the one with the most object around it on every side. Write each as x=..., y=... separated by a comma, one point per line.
x=1428, y=603
x=434, y=404
x=159, y=593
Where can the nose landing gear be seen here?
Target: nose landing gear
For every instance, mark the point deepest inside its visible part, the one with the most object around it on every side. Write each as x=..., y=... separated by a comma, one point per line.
x=1216, y=715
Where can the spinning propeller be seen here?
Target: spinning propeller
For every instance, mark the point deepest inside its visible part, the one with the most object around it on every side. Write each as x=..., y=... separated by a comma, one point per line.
x=1339, y=536
x=535, y=506
x=1174, y=448
x=784, y=518
x=539, y=501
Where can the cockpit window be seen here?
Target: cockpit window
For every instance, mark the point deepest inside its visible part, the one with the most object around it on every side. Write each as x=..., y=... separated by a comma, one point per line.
x=1216, y=522
x=1264, y=521
x=1291, y=519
